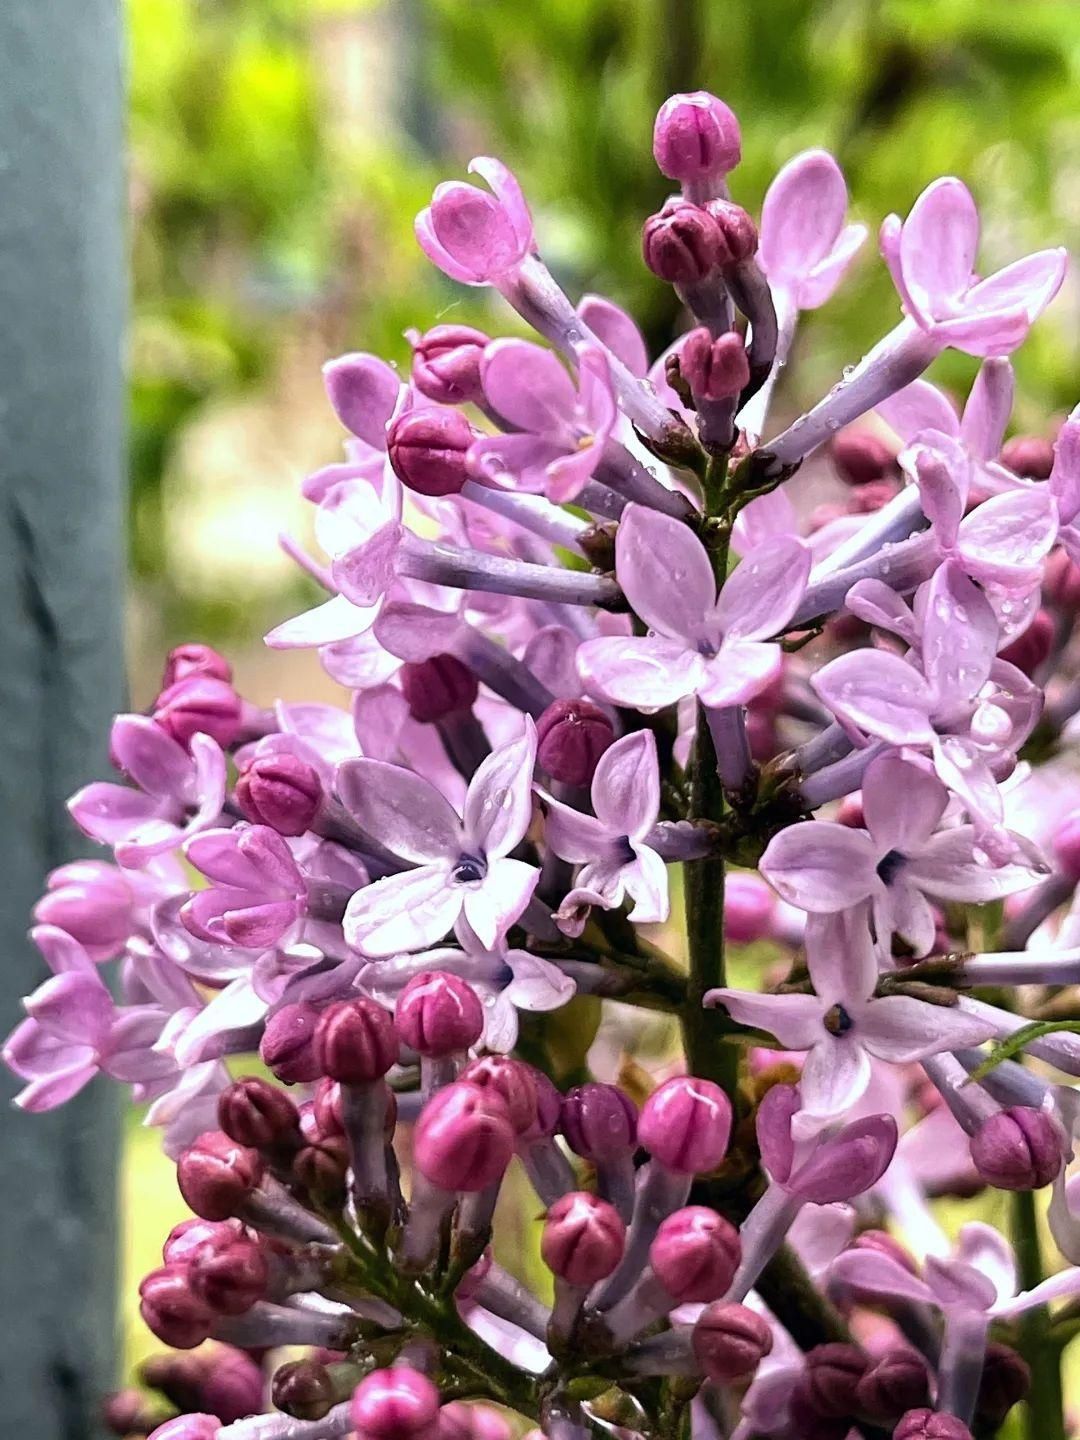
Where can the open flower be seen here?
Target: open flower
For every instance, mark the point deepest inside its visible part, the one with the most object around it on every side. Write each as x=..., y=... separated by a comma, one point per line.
x=804, y=246
x=472, y=236
x=258, y=892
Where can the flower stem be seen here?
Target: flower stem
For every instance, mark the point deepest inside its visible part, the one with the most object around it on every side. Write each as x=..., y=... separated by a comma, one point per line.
x=1044, y=1409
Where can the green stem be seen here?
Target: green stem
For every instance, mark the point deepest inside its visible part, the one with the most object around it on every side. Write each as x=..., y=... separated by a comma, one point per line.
x=1044, y=1409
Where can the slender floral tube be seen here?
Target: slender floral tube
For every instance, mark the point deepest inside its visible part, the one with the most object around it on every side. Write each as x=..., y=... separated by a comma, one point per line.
x=335, y=1422
x=969, y=1104
x=903, y=567
x=550, y=522
x=894, y=522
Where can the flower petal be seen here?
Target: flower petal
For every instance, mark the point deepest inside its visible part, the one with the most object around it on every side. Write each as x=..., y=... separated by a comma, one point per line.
x=335, y=620
x=937, y=246
x=901, y=1029
x=498, y=806
x=626, y=786
x=528, y=386
x=664, y=570
x=917, y=407
x=646, y=673
x=795, y=1020
x=834, y=1076
x=902, y=803
x=820, y=866
x=801, y=215
x=411, y=911
x=494, y=905
x=764, y=590
x=400, y=810
x=879, y=693
x=614, y=328
x=988, y=408
x=741, y=671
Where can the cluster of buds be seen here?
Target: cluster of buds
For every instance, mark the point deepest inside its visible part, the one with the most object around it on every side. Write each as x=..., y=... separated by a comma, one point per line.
x=592, y=631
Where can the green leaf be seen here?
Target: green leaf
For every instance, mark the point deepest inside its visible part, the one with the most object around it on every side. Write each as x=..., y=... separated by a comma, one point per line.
x=1008, y=1049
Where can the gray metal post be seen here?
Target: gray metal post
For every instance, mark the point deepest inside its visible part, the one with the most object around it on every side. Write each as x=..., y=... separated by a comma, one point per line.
x=62, y=302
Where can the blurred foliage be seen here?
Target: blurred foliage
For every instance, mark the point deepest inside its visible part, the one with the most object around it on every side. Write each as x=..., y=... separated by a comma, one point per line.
x=280, y=149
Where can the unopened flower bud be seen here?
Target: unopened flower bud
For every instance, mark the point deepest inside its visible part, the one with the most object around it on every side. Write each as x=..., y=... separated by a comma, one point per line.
x=714, y=369
x=303, y=1389
x=232, y=1385
x=512, y=1081
x=229, y=1278
x=198, y=705
x=599, y=1121
x=188, y=1427
x=868, y=498
x=287, y=1046
x=324, y=1116
x=427, y=449
x=681, y=243
x=446, y=363
x=897, y=1382
x=438, y=1014
x=395, y=1404
x=1066, y=846
x=583, y=1239
x=1028, y=651
x=1029, y=455
x=184, y=661
x=126, y=1412
x=216, y=1175
x=172, y=1310
x=738, y=233
x=178, y=1376
x=281, y=791
x=730, y=1341
x=1018, y=1149
x=437, y=688
x=571, y=736
x=321, y=1167
x=696, y=138
x=93, y=902
x=1006, y=1380
x=686, y=1125
x=749, y=906
x=464, y=1138
x=1061, y=582
x=355, y=1042
x=255, y=1113
x=831, y=1376
x=192, y=1235
x=926, y=1424
x=695, y=1255
x=461, y=1421
x=861, y=457
x=808, y=1424
x=548, y=1110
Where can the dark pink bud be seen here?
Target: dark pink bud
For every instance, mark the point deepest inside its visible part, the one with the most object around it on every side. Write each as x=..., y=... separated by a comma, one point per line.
x=93, y=902
x=599, y=1122
x=255, y=1113
x=749, y=907
x=281, y=791
x=229, y=1278
x=686, y=1125
x=548, y=1110
x=866, y=499
x=427, y=449
x=925, y=1424
x=738, y=233
x=696, y=137
x=188, y=1427
x=216, y=1175
x=730, y=1341
x=446, y=363
x=171, y=1309
x=681, y=243
x=695, y=1255
x=303, y=1389
x=571, y=736
x=1018, y=1149
x=460, y=1421
x=1029, y=455
x=808, y=1424
x=885, y=1244
x=1061, y=582
x=395, y=1404
x=1028, y=651
x=899, y=1381
x=1006, y=1380
x=126, y=1412
x=232, y=1385
x=321, y=1168
x=512, y=1081
x=324, y=1114
x=830, y=1378
x=184, y=661
x=861, y=457
x=287, y=1046
x=1066, y=846
x=584, y=1238
x=848, y=1163
x=438, y=687
x=191, y=1235
x=714, y=369
x=464, y=1138
x=355, y=1041
x=198, y=705
x=438, y=1014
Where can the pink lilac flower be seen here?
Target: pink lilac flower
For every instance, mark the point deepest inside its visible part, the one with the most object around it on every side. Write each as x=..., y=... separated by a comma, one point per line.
x=476, y=237
x=258, y=892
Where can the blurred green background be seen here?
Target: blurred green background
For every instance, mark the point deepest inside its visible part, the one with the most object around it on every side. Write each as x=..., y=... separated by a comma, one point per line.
x=280, y=149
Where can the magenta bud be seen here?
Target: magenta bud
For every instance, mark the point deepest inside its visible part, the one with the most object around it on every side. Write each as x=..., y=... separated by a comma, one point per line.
x=875, y=495
x=184, y=661
x=216, y=1175
x=464, y=1139
x=730, y=1341
x=1029, y=455
x=830, y=1379
x=446, y=363
x=281, y=791
x=303, y=1389
x=198, y=705
x=1006, y=1380
x=749, y=907
x=548, y=1110
x=126, y=1412
x=287, y=1047
x=696, y=137
x=185, y=1239
x=461, y=1421
x=583, y=1239
x=321, y=1168
x=438, y=1014
x=229, y=1278
x=899, y=1381
x=808, y=1424
x=599, y=1121
x=695, y=1254
x=571, y=736
x=1018, y=1149
x=512, y=1081
x=923, y=1424
x=178, y=1377
x=1029, y=650
x=93, y=902
x=1061, y=582
x=738, y=233
x=686, y=1125
x=395, y=1404
x=681, y=243
x=886, y=1244
x=437, y=688
x=714, y=369
x=1066, y=846
x=257, y=1114
x=427, y=449
x=232, y=1385
x=861, y=457
x=172, y=1310
x=355, y=1042
x=325, y=1111
x=188, y=1427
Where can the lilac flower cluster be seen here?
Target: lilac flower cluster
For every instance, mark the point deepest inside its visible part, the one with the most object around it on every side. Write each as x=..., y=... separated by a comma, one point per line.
x=603, y=656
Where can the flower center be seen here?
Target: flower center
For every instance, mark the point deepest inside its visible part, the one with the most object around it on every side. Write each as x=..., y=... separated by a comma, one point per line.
x=469, y=870
x=838, y=1021
x=889, y=866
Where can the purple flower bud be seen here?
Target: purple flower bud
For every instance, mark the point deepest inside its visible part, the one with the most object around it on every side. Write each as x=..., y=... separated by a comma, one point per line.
x=571, y=736
x=464, y=1138
x=686, y=1125
x=548, y=1110
x=1006, y=1380
x=232, y=1385
x=808, y=1424
x=363, y=391
x=188, y=1427
x=681, y=243
x=93, y=902
x=438, y=1014
x=171, y=1309
x=730, y=1341
x=1018, y=1149
x=257, y=1114
x=1029, y=455
x=281, y=791
x=428, y=447
x=185, y=1239
x=321, y=1167
x=861, y=457
x=355, y=1042
x=512, y=1081
x=184, y=661
x=696, y=137
x=898, y=1381
x=925, y=1424
x=886, y=1244
x=831, y=1376
x=749, y=906
x=461, y=1421
x=695, y=1255
x=229, y=1278
x=714, y=369
x=395, y=1404
x=599, y=1121
x=738, y=233
x=323, y=1117
x=216, y=1175
x=303, y=1389
x=446, y=363
x=1028, y=651
x=126, y=1412
x=1066, y=846
x=583, y=1240
x=1061, y=582
x=287, y=1046
x=839, y=1168
x=198, y=705
x=875, y=495
x=438, y=687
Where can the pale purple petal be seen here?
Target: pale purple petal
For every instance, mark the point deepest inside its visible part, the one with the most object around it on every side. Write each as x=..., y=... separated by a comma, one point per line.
x=840, y=957
x=493, y=906
x=741, y=670
x=879, y=693
x=508, y=192
x=617, y=330
x=988, y=1251
x=880, y=606
x=537, y=983
x=988, y=408
x=981, y=335
x=902, y=803
x=527, y=459
x=943, y=477
x=901, y=1029
x=917, y=407
x=1028, y=285
x=401, y=810
x=795, y=1020
x=818, y=284
x=414, y=632
x=572, y=834
x=646, y=882
x=820, y=866
x=1065, y=476
x=901, y=909
x=937, y=246
x=56, y=1088
x=763, y=592
x=834, y=1077
x=150, y=756
x=109, y=813
x=411, y=911
x=947, y=869
x=873, y=1274
x=959, y=639
x=665, y=572
x=62, y=953
x=801, y=216
x=363, y=391
x=1006, y=539
x=498, y=806
x=365, y=573
x=528, y=386
x=327, y=624
x=1062, y=1286
x=626, y=786
x=963, y=768
x=764, y=519
x=957, y=1285
x=646, y=673
x=73, y=1006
